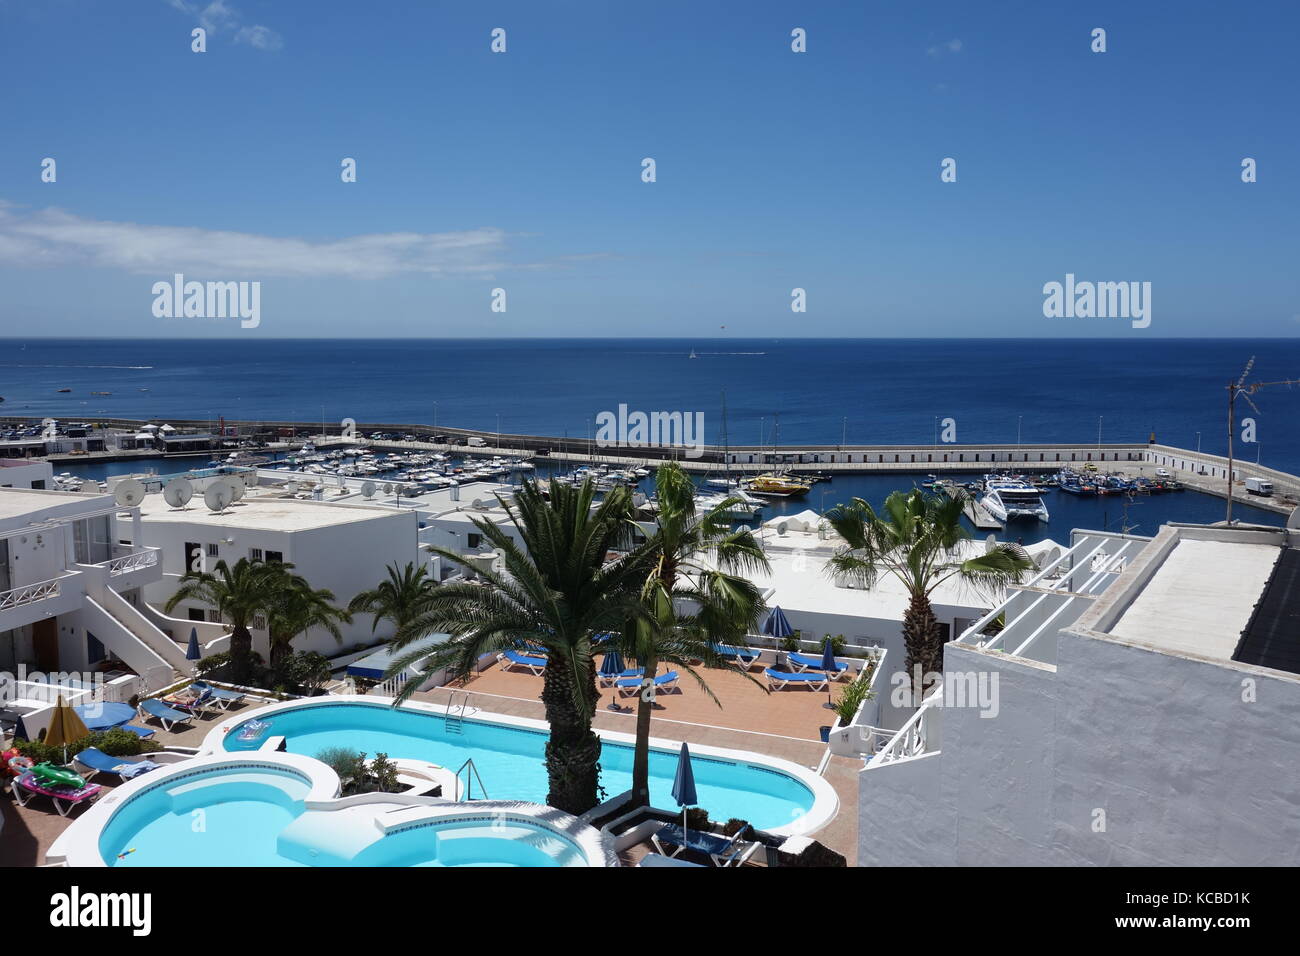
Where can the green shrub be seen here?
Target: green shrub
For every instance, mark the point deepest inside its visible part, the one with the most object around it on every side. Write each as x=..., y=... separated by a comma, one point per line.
x=852, y=696
x=115, y=743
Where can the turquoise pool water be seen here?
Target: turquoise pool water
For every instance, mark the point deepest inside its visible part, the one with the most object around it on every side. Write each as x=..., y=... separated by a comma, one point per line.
x=256, y=817
x=509, y=759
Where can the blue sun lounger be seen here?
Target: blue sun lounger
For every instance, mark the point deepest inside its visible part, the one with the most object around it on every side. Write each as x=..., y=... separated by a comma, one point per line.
x=167, y=716
x=216, y=695
x=780, y=680
x=96, y=761
x=723, y=851
x=629, y=686
x=511, y=659
x=807, y=662
x=746, y=656
x=607, y=679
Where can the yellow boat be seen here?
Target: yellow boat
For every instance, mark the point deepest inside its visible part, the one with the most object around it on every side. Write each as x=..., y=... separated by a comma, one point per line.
x=778, y=486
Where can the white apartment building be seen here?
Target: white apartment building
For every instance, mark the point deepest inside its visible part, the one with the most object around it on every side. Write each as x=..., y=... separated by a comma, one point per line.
x=70, y=585
x=1142, y=713
x=20, y=473
x=343, y=547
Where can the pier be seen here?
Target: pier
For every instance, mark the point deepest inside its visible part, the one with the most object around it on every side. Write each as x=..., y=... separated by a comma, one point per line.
x=974, y=510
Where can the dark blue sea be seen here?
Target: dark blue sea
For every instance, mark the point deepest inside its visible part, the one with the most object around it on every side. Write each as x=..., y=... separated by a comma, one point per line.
x=784, y=391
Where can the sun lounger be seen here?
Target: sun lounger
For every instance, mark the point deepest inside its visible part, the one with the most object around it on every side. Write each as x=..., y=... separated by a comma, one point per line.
x=723, y=851
x=630, y=686
x=657, y=859
x=217, y=696
x=780, y=680
x=144, y=732
x=807, y=662
x=511, y=659
x=65, y=798
x=167, y=716
x=93, y=760
x=192, y=701
x=607, y=679
x=745, y=656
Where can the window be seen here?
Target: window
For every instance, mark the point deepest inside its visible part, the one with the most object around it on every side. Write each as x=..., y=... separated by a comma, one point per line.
x=214, y=616
x=212, y=551
x=275, y=556
x=196, y=614
x=474, y=540
x=259, y=622
x=255, y=554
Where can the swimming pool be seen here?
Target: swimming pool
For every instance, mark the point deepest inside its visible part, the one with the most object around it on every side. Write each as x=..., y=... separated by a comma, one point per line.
x=508, y=754
x=278, y=810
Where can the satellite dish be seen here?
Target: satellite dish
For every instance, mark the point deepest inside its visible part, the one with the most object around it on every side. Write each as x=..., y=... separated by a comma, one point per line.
x=251, y=479
x=237, y=488
x=990, y=544
x=178, y=492
x=292, y=487
x=782, y=528
x=388, y=487
x=218, y=496
x=88, y=486
x=478, y=504
x=1053, y=556
x=129, y=493
x=397, y=488
x=368, y=489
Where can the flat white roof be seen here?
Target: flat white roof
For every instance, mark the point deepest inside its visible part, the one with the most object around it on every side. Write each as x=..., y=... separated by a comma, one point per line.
x=17, y=502
x=1200, y=598
x=800, y=582
x=262, y=511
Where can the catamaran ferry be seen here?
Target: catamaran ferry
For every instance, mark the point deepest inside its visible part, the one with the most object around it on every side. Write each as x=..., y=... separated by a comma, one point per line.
x=1006, y=499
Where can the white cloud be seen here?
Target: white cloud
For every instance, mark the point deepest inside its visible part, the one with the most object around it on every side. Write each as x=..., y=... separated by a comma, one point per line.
x=52, y=237
x=949, y=46
x=219, y=17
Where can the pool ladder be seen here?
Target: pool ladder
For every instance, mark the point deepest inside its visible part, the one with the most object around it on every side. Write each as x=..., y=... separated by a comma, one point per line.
x=455, y=722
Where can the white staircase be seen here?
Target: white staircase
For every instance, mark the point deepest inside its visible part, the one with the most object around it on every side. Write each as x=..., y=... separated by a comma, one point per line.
x=126, y=645
x=131, y=621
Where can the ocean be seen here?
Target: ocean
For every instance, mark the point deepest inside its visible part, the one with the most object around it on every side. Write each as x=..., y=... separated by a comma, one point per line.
x=787, y=391
x=784, y=391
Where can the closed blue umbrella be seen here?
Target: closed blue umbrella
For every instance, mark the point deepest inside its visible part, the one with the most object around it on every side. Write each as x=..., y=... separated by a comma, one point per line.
x=192, y=652
x=684, y=784
x=105, y=715
x=612, y=664
x=829, y=666
x=777, y=625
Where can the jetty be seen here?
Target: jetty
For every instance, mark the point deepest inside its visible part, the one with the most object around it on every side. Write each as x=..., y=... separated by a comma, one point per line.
x=975, y=512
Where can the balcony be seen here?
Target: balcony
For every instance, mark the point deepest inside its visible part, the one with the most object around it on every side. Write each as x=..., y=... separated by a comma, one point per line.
x=29, y=594
x=131, y=567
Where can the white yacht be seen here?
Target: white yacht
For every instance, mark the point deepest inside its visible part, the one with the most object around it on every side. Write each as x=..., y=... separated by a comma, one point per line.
x=1006, y=499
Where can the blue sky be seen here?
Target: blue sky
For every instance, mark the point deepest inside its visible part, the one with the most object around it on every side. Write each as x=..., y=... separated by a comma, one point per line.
x=522, y=170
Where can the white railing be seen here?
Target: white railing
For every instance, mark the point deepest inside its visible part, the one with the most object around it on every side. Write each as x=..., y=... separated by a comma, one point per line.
x=29, y=594
x=913, y=737
x=143, y=558
x=390, y=687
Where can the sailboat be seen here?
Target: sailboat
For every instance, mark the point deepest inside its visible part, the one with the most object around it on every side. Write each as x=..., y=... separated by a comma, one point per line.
x=692, y=355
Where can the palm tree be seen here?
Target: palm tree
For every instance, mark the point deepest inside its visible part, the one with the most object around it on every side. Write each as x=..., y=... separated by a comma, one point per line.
x=297, y=607
x=697, y=563
x=397, y=599
x=238, y=594
x=557, y=589
x=917, y=538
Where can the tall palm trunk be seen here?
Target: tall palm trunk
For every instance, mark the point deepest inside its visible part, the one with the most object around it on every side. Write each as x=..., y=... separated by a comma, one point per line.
x=924, y=642
x=572, y=750
x=641, y=758
x=241, y=654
